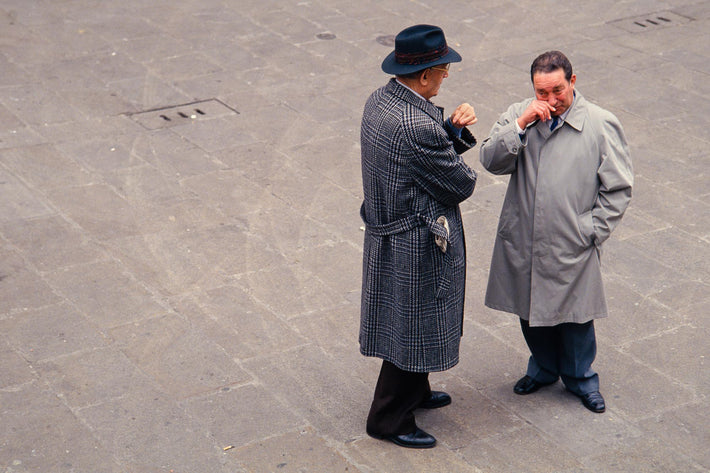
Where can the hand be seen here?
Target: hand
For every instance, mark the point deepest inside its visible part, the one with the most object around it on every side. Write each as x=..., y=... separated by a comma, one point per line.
x=537, y=110
x=464, y=115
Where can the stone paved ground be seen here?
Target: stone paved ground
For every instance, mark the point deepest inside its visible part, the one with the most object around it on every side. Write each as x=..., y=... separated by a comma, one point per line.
x=169, y=289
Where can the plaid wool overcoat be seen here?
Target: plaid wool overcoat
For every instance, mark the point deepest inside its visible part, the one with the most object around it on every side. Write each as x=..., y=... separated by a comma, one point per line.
x=412, y=292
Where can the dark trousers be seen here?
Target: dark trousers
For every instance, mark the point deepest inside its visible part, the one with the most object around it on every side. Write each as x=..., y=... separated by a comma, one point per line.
x=397, y=394
x=564, y=351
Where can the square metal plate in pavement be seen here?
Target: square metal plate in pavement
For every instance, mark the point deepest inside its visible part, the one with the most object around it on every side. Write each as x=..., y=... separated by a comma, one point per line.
x=176, y=115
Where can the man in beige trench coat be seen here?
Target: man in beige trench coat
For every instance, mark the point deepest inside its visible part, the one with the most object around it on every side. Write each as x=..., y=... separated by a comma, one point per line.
x=570, y=183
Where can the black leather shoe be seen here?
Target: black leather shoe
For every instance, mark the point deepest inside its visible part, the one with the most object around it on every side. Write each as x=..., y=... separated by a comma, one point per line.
x=417, y=439
x=437, y=399
x=593, y=401
x=527, y=385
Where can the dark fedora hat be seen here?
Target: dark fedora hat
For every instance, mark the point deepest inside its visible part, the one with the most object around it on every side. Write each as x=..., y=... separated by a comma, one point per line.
x=418, y=47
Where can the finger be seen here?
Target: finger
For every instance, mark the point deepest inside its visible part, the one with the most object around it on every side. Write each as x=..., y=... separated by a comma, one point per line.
x=548, y=110
x=455, y=116
x=462, y=118
x=541, y=114
x=467, y=119
x=545, y=112
x=538, y=110
x=463, y=110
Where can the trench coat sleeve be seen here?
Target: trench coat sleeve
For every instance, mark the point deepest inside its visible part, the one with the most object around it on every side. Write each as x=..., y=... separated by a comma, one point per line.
x=500, y=150
x=615, y=179
x=437, y=167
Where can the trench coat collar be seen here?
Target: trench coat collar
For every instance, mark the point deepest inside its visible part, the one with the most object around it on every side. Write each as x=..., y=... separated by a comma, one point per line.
x=578, y=113
x=400, y=91
x=575, y=118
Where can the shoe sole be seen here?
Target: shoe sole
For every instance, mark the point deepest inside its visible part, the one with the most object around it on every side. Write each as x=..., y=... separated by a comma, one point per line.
x=400, y=444
x=436, y=406
x=589, y=408
x=596, y=411
x=407, y=445
x=536, y=389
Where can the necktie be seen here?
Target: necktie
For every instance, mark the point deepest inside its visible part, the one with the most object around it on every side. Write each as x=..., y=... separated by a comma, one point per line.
x=555, y=120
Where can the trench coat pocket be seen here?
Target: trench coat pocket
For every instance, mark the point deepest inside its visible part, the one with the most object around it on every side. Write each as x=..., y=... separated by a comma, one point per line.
x=444, y=281
x=508, y=220
x=442, y=242
x=586, y=228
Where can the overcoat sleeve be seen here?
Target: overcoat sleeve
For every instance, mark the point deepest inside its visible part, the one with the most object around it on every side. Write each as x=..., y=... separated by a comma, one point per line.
x=464, y=142
x=500, y=150
x=615, y=179
x=437, y=167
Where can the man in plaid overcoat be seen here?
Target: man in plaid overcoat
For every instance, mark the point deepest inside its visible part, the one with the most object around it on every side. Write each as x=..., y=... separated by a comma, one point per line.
x=414, y=259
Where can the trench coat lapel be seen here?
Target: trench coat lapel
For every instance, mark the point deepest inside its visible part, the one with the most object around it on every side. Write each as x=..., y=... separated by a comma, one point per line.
x=578, y=113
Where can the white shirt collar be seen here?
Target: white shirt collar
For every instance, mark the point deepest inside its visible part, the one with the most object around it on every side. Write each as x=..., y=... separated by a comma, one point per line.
x=410, y=89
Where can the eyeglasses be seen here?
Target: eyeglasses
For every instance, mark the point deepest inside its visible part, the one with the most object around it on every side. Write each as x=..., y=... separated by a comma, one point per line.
x=442, y=67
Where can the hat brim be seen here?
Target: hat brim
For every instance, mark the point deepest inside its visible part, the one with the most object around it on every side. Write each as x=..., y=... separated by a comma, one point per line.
x=391, y=66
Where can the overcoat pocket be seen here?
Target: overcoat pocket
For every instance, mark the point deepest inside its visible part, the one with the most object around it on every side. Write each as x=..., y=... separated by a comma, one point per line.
x=508, y=220
x=585, y=223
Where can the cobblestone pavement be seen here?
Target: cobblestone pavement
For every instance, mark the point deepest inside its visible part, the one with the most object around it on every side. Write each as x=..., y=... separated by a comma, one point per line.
x=179, y=289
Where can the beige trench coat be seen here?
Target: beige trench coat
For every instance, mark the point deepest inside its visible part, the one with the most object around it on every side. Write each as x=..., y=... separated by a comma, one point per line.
x=568, y=190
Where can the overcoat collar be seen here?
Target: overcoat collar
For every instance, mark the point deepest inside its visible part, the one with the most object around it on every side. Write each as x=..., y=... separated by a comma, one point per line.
x=575, y=117
x=578, y=113
x=398, y=90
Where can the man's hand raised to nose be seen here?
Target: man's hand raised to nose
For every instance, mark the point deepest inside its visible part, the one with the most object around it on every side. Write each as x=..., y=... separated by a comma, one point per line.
x=537, y=110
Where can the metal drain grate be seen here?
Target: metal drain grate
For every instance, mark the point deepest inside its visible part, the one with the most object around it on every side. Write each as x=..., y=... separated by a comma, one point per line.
x=650, y=21
x=182, y=114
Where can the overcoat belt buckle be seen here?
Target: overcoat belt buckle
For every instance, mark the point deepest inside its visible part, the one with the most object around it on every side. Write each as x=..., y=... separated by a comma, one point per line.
x=442, y=242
